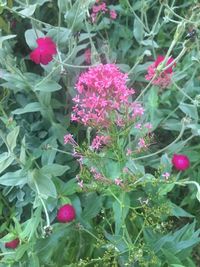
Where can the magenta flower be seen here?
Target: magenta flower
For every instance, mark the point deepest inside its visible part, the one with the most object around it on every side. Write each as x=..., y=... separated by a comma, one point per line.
x=44, y=52
x=66, y=213
x=180, y=162
x=164, y=78
x=12, y=244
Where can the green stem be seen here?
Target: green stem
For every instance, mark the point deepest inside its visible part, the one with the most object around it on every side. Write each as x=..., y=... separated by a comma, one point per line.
x=163, y=149
x=43, y=204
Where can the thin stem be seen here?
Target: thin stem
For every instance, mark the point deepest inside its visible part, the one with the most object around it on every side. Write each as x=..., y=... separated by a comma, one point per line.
x=43, y=204
x=163, y=149
x=185, y=94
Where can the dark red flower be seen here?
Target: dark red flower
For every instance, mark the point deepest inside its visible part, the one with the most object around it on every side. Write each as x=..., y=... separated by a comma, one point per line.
x=160, y=59
x=66, y=213
x=180, y=162
x=12, y=244
x=44, y=52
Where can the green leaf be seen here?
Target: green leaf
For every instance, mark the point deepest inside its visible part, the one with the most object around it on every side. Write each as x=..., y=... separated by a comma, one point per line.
x=165, y=188
x=138, y=30
x=31, y=37
x=31, y=225
x=47, y=86
x=179, y=212
x=28, y=11
x=54, y=169
x=42, y=184
x=12, y=138
x=69, y=188
x=189, y=110
x=92, y=204
x=171, y=258
x=14, y=178
x=7, y=37
x=34, y=260
x=5, y=160
x=31, y=107
x=120, y=210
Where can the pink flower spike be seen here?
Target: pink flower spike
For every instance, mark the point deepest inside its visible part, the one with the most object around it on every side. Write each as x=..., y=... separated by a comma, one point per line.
x=44, y=52
x=180, y=162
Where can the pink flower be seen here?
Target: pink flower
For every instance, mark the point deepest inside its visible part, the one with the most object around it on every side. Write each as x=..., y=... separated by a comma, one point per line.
x=163, y=80
x=148, y=126
x=142, y=143
x=100, y=141
x=12, y=244
x=113, y=14
x=66, y=213
x=128, y=152
x=69, y=139
x=87, y=56
x=180, y=162
x=166, y=175
x=80, y=183
x=44, y=52
x=118, y=181
x=102, y=93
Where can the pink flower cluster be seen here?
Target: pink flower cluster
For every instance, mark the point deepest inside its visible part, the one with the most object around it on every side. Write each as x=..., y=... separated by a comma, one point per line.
x=101, y=8
x=103, y=98
x=100, y=141
x=163, y=80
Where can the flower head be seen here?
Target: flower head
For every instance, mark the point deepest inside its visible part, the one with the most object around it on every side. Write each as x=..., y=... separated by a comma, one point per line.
x=102, y=94
x=180, y=162
x=44, y=52
x=66, y=213
x=163, y=80
x=12, y=244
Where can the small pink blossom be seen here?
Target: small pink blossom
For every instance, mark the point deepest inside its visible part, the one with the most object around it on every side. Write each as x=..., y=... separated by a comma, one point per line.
x=180, y=162
x=80, y=183
x=142, y=143
x=68, y=139
x=163, y=80
x=138, y=126
x=100, y=141
x=97, y=175
x=166, y=175
x=118, y=181
x=128, y=152
x=113, y=14
x=148, y=126
x=125, y=170
x=87, y=56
